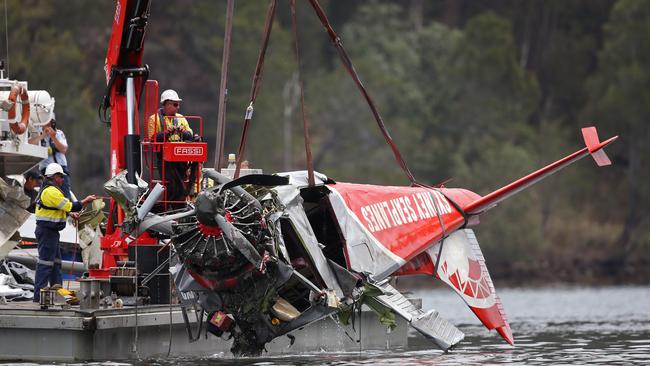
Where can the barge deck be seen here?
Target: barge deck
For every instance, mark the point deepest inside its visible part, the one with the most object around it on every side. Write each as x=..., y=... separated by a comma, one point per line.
x=58, y=334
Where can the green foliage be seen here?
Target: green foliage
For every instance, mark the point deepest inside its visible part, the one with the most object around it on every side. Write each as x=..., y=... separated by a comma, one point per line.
x=369, y=298
x=49, y=49
x=620, y=91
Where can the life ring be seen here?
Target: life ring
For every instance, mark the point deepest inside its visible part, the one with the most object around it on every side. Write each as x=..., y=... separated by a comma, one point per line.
x=19, y=127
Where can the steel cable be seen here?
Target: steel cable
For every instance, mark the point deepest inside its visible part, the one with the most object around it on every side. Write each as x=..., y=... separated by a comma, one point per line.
x=305, y=127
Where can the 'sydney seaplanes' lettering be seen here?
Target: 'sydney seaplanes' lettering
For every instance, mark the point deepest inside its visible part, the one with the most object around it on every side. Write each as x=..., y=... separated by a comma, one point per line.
x=404, y=210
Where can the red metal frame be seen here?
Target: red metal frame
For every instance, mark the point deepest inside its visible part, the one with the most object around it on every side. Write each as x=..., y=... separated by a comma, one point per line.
x=115, y=243
x=174, y=152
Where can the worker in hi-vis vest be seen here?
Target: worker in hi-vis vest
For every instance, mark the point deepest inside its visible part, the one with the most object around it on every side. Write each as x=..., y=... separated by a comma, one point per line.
x=167, y=125
x=175, y=127
x=52, y=209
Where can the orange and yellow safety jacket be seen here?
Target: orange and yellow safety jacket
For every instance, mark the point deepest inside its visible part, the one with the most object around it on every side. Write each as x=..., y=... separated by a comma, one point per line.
x=154, y=126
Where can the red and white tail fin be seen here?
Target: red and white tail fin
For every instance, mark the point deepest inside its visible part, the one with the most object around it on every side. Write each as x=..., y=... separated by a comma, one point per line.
x=594, y=148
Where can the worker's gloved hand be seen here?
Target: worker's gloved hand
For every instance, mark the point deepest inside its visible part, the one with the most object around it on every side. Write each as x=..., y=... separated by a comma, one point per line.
x=186, y=136
x=174, y=133
x=197, y=138
x=88, y=199
x=75, y=216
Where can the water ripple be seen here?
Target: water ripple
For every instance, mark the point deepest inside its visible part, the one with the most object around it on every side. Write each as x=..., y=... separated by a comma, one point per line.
x=558, y=326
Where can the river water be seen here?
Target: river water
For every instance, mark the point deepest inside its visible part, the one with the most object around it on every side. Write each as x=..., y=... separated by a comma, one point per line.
x=551, y=326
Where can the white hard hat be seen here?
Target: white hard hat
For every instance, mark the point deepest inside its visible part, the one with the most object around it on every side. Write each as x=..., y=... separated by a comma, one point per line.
x=54, y=168
x=42, y=107
x=169, y=94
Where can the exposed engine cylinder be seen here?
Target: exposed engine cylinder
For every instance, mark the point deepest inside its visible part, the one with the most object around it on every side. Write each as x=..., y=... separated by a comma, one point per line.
x=228, y=237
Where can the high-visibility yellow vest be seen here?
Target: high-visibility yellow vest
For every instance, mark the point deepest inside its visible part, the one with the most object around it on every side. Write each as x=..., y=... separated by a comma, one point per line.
x=52, y=205
x=154, y=125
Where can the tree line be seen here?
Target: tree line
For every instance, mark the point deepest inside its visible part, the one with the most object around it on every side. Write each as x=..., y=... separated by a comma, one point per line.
x=475, y=94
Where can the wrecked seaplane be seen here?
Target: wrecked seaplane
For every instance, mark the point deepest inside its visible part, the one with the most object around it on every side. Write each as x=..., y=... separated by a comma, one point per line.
x=267, y=254
x=264, y=255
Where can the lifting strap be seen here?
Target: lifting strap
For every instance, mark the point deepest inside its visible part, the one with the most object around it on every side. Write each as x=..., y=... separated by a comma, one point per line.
x=223, y=89
x=442, y=226
x=305, y=128
x=440, y=220
x=257, y=77
x=350, y=68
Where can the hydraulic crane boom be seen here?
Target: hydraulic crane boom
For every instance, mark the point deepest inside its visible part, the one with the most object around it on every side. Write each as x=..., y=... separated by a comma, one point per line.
x=125, y=78
x=126, y=81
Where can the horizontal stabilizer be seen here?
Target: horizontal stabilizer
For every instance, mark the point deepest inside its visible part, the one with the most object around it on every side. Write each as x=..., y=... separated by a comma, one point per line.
x=430, y=324
x=595, y=147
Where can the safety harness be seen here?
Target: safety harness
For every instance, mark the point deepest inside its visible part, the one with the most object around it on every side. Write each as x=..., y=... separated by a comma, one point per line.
x=39, y=202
